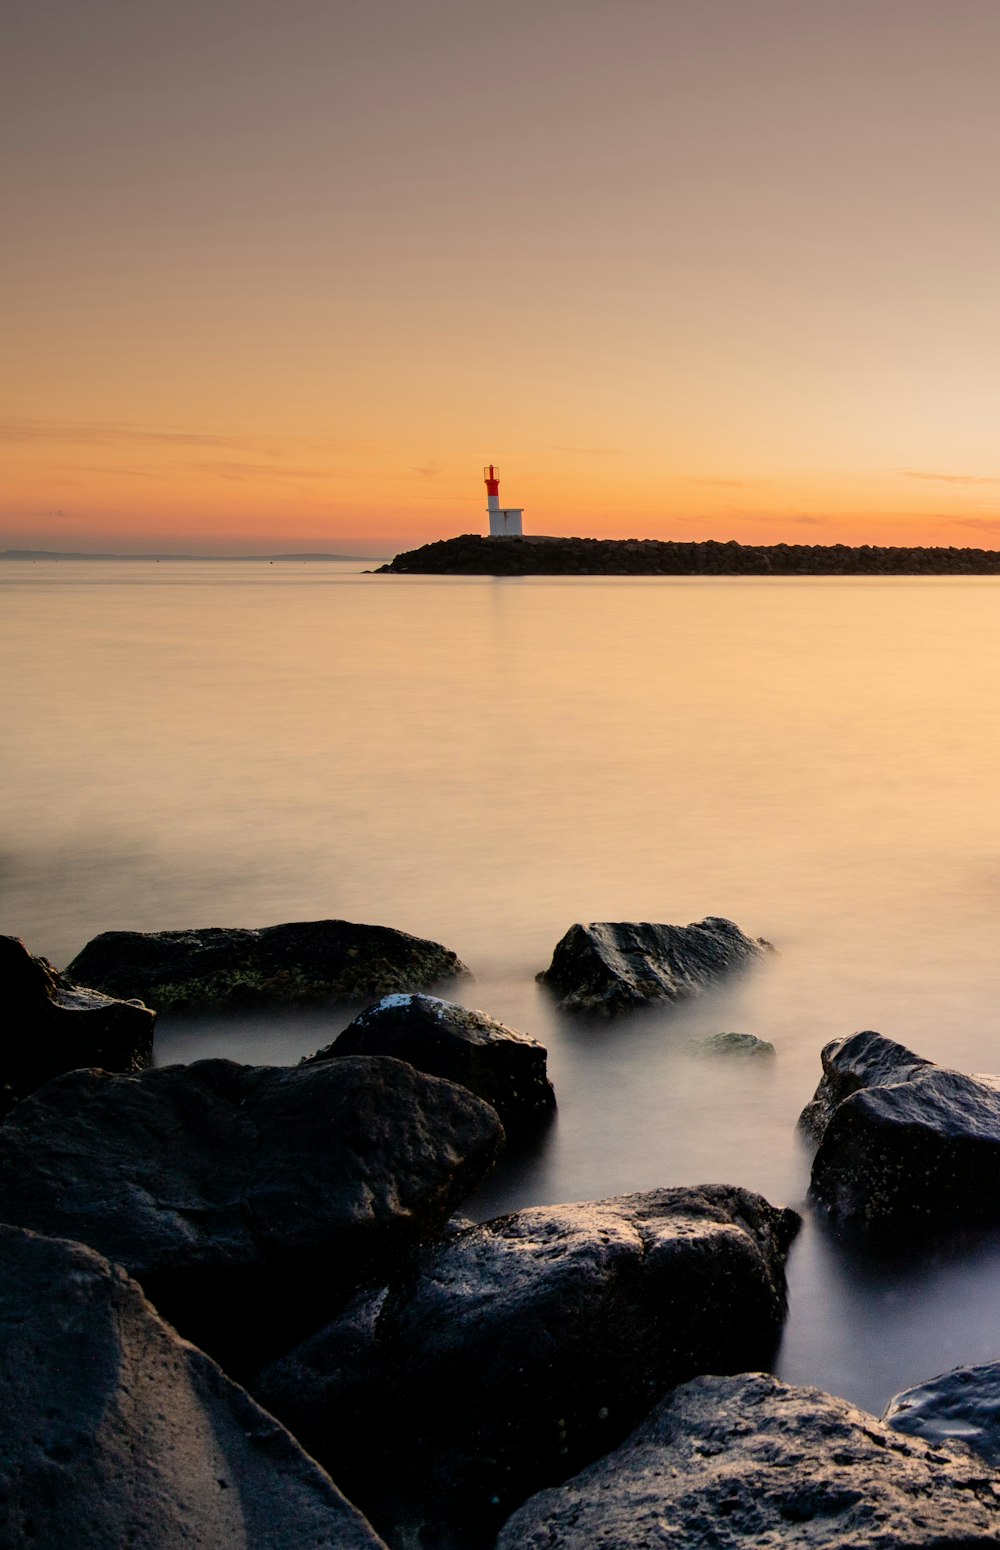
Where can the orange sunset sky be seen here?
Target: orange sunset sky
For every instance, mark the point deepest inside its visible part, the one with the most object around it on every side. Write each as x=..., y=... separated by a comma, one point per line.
x=284, y=276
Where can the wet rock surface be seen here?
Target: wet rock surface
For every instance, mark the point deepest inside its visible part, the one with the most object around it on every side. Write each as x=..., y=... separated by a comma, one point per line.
x=247, y=1200
x=498, y=1064
x=725, y=1463
x=52, y=1025
x=300, y=963
x=523, y=1347
x=738, y=1046
x=905, y=1146
x=612, y=967
x=958, y=1406
x=114, y=1432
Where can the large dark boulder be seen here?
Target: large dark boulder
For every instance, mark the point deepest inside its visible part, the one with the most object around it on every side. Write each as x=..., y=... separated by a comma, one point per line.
x=959, y=1406
x=727, y=1463
x=526, y=1346
x=52, y=1025
x=113, y=1432
x=504, y=1067
x=301, y=963
x=247, y=1200
x=612, y=967
x=905, y=1146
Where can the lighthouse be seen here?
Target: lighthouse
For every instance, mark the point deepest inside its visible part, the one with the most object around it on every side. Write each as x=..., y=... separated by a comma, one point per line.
x=505, y=521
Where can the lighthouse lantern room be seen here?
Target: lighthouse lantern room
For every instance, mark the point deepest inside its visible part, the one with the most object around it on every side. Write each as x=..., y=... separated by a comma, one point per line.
x=505, y=521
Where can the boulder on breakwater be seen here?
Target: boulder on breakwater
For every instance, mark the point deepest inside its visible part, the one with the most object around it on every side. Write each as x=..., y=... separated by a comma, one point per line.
x=114, y=1432
x=54, y=1025
x=300, y=963
x=962, y=1405
x=905, y=1146
x=514, y=1352
x=247, y=1200
x=500, y=1065
x=732, y=1463
x=612, y=967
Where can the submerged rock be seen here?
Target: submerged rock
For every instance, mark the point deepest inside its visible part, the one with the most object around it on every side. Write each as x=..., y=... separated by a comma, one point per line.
x=523, y=1347
x=727, y=1463
x=611, y=967
x=744, y=1046
x=246, y=1199
x=302, y=963
x=52, y=1025
x=959, y=1406
x=497, y=1063
x=114, y=1432
x=904, y=1145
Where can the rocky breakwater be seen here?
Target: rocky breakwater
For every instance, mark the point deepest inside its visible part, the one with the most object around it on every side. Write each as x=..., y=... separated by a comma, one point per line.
x=114, y=1432
x=248, y=1201
x=497, y=1063
x=53, y=1024
x=905, y=1146
x=735, y=1463
x=228, y=968
x=472, y=555
x=508, y=1356
x=612, y=967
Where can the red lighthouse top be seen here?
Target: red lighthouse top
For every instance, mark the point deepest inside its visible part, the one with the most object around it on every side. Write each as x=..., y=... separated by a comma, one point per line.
x=492, y=477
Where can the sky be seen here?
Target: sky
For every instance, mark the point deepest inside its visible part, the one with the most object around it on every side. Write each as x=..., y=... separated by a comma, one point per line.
x=283, y=275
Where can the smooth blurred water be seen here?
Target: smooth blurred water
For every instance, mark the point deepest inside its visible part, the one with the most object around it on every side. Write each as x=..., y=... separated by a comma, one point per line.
x=484, y=762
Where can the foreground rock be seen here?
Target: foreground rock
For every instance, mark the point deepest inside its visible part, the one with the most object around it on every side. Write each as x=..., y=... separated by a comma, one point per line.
x=725, y=1463
x=611, y=967
x=246, y=1199
x=302, y=963
x=504, y=1067
x=959, y=1406
x=904, y=1145
x=52, y=1025
x=114, y=1432
x=525, y=1347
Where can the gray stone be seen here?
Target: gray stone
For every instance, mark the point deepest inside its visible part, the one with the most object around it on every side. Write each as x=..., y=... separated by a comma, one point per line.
x=613, y=967
x=905, y=1147
x=526, y=1346
x=742, y=1046
x=741, y=1462
x=498, y=1064
x=301, y=963
x=114, y=1432
x=52, y=1025
x=959, y=1406
x=247, y=1200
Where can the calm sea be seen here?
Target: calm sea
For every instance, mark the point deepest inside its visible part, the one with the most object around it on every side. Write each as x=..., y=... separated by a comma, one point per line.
x=485, y=762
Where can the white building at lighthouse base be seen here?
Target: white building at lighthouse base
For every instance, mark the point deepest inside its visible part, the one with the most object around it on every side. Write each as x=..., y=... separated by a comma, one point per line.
x=505, y=521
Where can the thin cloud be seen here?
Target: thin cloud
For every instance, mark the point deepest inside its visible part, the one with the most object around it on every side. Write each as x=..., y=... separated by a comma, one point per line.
x=727, y=484
x=588, y=451
x=234, y=468
x=913, y=473
x=982, y=524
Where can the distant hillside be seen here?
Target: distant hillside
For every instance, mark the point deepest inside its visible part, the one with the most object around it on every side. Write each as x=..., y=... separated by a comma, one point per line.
x=473, y=555
x=58, y=554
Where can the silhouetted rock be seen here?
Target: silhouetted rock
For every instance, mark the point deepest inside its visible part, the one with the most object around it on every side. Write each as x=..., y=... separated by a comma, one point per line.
x=958, y=1406
x=470, y=554
x=113, y=1432
x=523, y=1347
x=52, y=1025
x=741, y=1046
x=302, y=963
x=248, y=1200
x=904, y=1145
x=612, y=967
x=504, y=1067
x=743, y=1462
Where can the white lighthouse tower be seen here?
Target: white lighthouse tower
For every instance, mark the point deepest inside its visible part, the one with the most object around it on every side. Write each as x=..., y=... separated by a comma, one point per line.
x=505, y=521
